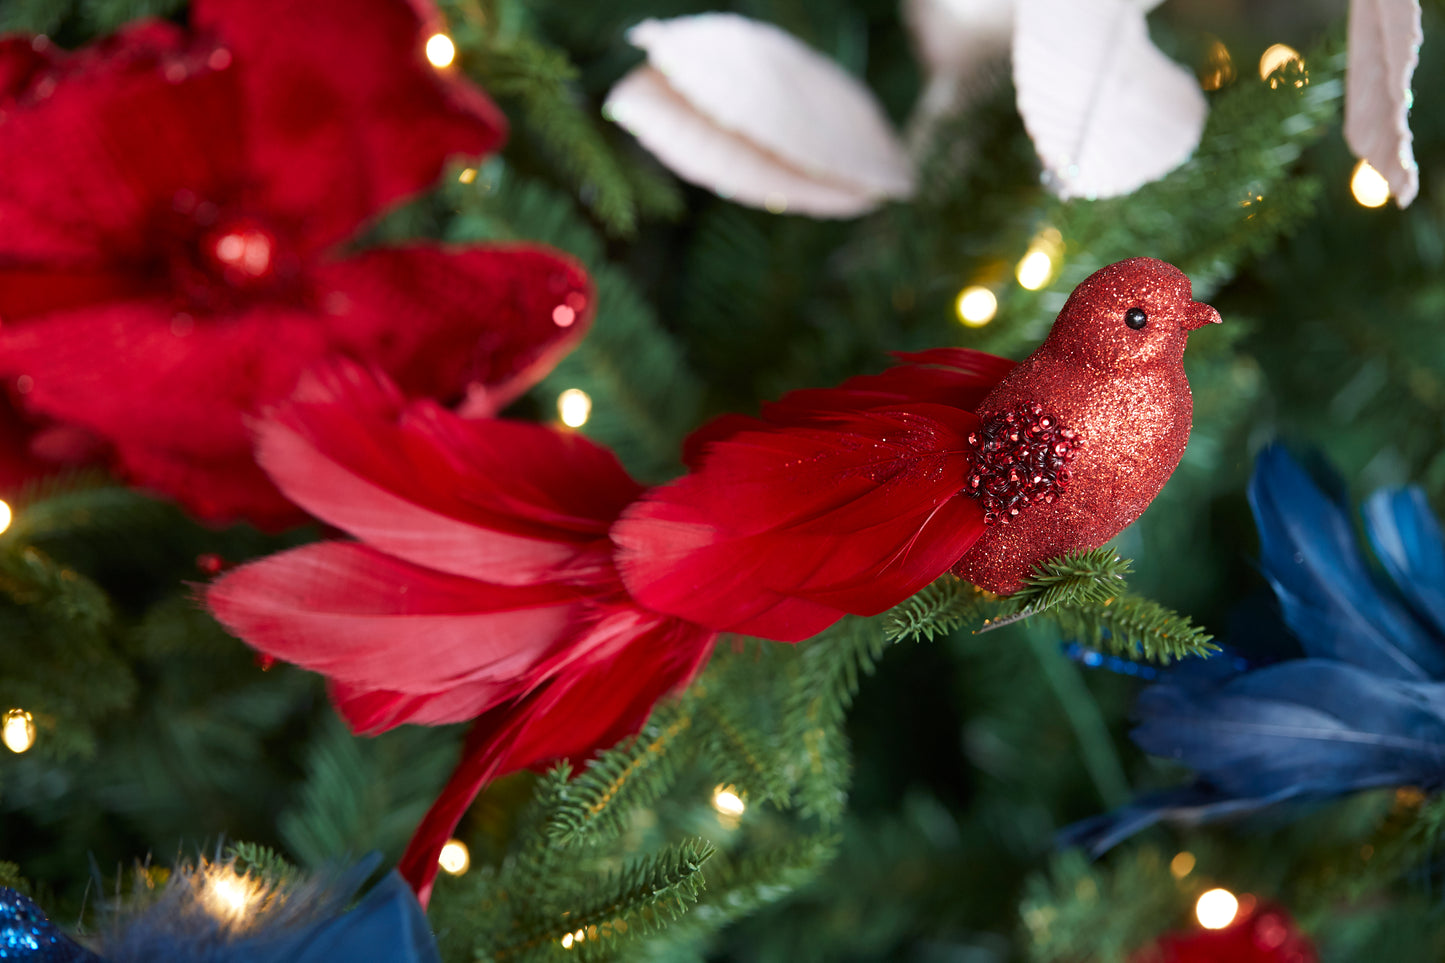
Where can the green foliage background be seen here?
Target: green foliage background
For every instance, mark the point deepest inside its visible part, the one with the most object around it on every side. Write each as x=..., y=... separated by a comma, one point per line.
x=904, y=776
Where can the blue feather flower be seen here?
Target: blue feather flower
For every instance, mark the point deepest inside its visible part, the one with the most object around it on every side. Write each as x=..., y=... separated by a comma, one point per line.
x=210, y=914
x=1364, y=707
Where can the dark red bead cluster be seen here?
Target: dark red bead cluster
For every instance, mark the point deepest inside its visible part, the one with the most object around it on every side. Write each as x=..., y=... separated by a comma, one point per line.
x=1020, y=457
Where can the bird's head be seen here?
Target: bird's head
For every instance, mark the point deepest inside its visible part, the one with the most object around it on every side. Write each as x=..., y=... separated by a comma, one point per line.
x=1132, y=313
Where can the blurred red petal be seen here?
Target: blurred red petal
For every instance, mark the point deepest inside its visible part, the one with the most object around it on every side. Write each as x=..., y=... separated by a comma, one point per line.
x=344, y=114
x=168, y=392
x=782, y=530
x=90, y=159
x=437, y=320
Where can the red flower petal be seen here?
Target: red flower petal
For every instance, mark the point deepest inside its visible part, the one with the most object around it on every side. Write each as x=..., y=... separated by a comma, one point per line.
x=170, y=392
x=344, y=115
x=374, y=622
x=784, y=529
x=581, y=710
x=22, y=61
x=90, y=158
x=436, y=320
x=494, y=500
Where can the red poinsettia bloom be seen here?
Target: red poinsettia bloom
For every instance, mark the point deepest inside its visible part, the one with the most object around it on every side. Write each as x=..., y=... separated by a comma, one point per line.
x=482, y=585
x=171, y=208
x=834, y=500
x=1264, y=935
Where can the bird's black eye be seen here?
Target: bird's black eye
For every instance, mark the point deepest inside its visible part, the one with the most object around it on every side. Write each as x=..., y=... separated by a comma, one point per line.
x=1136, y=318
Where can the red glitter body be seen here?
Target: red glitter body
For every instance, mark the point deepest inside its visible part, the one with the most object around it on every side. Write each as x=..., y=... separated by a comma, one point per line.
x=1122, y=390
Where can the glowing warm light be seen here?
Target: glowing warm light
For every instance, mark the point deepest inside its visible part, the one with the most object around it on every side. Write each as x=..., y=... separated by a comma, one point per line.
x=575, y=407
x=467, y=175
x=6, y=515
x=228, y=894
x=1034, y=270
x=440, y=50
x=567, y=941
x=18, y=730
x=728, y=802
x=1218, y=67
x=976, y=306
x=1277, y=56
x=1181, y=865
x=455, y=858
x=1216, y=909
x=1369, y=185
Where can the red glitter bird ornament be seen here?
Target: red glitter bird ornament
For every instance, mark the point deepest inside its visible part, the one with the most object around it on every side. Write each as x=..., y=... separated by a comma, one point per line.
x=849, y=500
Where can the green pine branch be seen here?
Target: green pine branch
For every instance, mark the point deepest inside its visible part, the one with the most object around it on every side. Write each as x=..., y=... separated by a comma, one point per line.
x=821, y=681
x=939, y=609
x=640, y=899
x=541, y=82
x=354, y=798
x=594, y=807
x=1083, y=578
x=262, y=861
x=1136, y=628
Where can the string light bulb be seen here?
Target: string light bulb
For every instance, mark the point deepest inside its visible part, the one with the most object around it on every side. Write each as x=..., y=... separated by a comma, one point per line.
x=1181, y=865
x=229, y=895
x=976, y=306
x=6, y=516
x=574, y=407
x=1276, y=57
x=440, y=50
x=18, y=730
x=1036, y=267
x=727, y=802
x=455, y=859
x=1369, y=185
x=1216, y=909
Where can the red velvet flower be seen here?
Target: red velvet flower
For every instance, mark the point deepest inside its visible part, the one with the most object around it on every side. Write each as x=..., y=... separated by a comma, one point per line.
x=834, y=501
x=482, y=585
x=171, y=205
x=1267, y=935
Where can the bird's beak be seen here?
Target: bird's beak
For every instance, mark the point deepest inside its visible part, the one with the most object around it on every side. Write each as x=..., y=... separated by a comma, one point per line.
x=1199, y=315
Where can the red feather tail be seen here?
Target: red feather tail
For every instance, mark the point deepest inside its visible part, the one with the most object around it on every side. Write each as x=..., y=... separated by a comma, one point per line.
x=835, y=501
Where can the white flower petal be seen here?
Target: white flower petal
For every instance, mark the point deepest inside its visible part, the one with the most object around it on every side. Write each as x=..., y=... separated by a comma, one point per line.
x=1384, y=47
x=761, y=85
x=1106, y=110
x=697, y=150
x=955, y=37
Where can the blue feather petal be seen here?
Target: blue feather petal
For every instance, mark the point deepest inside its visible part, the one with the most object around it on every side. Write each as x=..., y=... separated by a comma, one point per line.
x=1330, y=601
x=1407, y=539
x=1187, y=805
x=387, y=926
x=1302, y=728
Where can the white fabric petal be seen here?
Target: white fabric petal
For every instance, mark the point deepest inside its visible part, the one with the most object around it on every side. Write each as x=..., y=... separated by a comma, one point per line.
x=1384, y=47
x=699, y=151
x=800, y=119
x=1106, y=110
x=954, y=37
